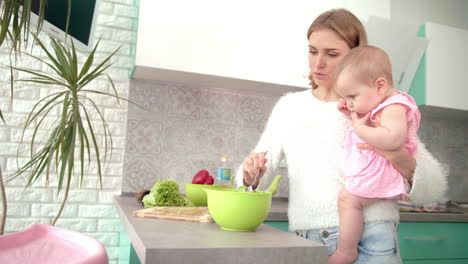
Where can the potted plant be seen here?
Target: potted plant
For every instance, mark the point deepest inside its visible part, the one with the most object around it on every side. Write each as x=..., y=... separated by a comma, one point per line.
x=15, y=28
x=72, y=138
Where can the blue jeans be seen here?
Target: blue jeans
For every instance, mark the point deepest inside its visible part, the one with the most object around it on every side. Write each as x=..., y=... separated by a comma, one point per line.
x=379, y=242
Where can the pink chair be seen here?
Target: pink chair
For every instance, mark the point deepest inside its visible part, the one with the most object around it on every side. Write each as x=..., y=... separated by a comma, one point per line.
x=40, y=244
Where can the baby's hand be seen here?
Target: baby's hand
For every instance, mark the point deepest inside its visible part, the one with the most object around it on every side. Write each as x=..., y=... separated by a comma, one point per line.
x=343, y=108
x=359, y=122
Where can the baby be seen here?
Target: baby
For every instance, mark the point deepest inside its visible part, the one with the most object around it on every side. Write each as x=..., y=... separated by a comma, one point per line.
x=381, y=117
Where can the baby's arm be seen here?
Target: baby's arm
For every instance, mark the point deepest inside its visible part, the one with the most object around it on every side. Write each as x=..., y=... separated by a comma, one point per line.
x=390, y=134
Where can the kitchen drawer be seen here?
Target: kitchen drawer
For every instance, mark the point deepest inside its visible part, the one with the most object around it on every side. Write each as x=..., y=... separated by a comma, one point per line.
x=436, y=261
x=433, y=241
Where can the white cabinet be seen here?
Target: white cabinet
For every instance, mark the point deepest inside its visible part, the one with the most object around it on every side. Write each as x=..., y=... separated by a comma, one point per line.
x=403, y=46
x=226, y=43
x=447, y=67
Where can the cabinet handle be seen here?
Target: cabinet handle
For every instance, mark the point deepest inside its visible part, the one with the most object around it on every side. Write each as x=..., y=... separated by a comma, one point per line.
x=425, y=238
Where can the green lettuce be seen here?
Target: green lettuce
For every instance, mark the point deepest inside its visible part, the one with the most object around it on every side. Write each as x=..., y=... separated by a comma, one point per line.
x=165, y=193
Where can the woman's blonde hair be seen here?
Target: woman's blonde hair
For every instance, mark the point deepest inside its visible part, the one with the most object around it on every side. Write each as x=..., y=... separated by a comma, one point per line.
x=343, y=23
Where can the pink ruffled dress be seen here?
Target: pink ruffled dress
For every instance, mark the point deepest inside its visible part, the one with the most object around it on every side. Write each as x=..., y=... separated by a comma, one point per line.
x=367, y=173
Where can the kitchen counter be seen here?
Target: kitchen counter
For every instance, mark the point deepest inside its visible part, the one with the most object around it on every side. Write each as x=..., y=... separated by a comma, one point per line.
x=279, y=212
x=170, y=241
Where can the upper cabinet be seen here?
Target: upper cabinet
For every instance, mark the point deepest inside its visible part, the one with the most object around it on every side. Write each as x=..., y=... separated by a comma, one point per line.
x=234, y=44
x=447, y=67
x=403, y=46
x=439, y=86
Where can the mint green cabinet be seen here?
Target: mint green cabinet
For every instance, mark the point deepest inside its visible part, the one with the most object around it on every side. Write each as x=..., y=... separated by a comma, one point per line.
x=279, y=225
x=428, y=243
x=433, y=242
x=418, y=85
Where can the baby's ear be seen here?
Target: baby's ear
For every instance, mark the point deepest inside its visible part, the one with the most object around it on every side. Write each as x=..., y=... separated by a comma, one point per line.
x=381, y=84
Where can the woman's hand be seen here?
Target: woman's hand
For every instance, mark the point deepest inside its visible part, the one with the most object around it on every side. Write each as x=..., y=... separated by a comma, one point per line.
x=403, y=162
x=250, y=167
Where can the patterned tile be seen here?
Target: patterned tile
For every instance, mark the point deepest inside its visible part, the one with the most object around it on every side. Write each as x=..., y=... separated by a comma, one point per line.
x=140, y=172
x=455, y=133
x=458, y=183
x=270, y=102
x=150, y=97
x=251, y=110
x=446, y=140
x=458, y=158
x=435, y=129
x=183, y=102
x=218, y=106
x=197, y=139
x=185, y=129
x=144, y=136
x=246, y=140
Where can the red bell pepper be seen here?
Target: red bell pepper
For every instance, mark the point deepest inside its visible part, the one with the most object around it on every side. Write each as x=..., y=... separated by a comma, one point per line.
x=202, y=177
x=210, y=180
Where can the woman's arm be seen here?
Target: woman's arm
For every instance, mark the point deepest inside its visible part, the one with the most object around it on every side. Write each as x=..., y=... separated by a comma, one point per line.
x=271, y=141
x=403, y=162
x=430, y=179
x=426, y=174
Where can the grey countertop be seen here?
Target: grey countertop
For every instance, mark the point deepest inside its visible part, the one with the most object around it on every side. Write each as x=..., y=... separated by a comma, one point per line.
x=279, y=209
x=170, y=241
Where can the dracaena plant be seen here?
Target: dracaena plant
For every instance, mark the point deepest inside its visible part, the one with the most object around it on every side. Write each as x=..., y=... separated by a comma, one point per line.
x=15, y=21
x=15, y=26
x=72, y=139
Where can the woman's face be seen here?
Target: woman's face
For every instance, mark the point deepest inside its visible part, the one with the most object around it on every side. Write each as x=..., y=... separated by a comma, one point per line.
x=326, y=49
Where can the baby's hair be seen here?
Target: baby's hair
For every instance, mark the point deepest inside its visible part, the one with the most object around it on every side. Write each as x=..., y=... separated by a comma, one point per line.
x=367, y=64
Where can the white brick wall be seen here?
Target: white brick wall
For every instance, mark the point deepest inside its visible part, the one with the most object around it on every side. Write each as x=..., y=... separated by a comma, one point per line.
x=89, y=209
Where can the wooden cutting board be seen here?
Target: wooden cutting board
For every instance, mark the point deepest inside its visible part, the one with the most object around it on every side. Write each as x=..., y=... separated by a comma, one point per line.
x=192, y=214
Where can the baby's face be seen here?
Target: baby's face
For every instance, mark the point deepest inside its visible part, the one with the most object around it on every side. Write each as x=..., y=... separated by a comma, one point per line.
x=360, y=97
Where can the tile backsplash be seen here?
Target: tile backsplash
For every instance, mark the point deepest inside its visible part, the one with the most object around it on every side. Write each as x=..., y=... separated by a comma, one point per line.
x=447, y=139
x=178, y=130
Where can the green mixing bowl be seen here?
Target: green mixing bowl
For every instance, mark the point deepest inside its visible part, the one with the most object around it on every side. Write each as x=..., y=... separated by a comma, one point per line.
x=196, y=194
x=236, y=210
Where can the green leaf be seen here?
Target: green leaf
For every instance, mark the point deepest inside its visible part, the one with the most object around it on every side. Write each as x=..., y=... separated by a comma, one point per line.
x=111, y=95
x=65, y=153
x=90, y=77
x=82, y=131
x=41, y=75
x=62, y=59
x=53, y=67
x=89, y=61
x=96, y=148
x=107, y=132
x=68, y=19
x=6, y=18
x=49, y=55
x=74, y=63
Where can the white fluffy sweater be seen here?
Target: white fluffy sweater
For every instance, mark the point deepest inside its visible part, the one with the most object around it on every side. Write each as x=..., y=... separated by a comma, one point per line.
x=310, y=134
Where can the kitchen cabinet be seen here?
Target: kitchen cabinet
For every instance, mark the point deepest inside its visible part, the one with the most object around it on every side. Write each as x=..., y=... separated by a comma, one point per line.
x=435, y=242
x=230, y=44
x=426, y=242
x=439, y=86
x=279, y=225
x=402, y=44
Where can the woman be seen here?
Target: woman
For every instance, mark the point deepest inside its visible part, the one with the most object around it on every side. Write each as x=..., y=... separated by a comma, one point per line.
x=309, y=131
